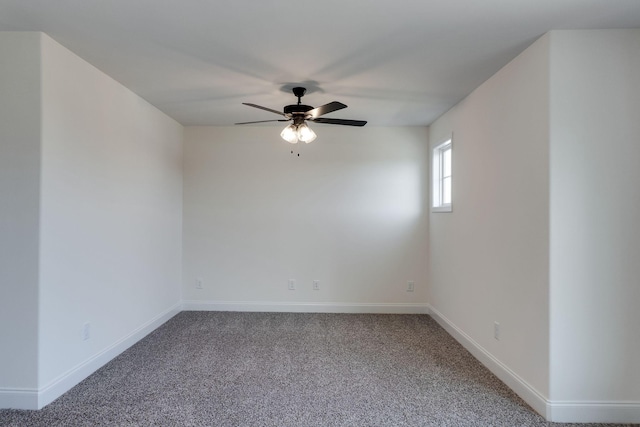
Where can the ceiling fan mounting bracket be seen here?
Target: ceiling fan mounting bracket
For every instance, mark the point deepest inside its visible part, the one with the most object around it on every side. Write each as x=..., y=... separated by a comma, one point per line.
x=299, y=92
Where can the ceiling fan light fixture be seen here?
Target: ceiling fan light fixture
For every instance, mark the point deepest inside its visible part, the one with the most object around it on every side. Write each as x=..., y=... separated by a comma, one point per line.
x=290, y=134
x=305, y=133
x=299, y=113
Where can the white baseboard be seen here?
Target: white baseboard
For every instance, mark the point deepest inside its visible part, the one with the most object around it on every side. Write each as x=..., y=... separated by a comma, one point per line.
x=305, y=307
x=594, y=412
x=15, y=398
x=37, y=399
x=555, y=411
x=529, y=394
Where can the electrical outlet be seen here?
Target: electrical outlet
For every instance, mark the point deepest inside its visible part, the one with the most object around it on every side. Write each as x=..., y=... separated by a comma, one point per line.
x=410, y=286
x=199, y=283
x=316, y=285
x=496, y=330
x=292, y=285
x=86, y=331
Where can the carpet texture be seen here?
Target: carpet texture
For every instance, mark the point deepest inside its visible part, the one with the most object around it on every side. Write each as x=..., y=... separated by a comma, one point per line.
x=289, y=369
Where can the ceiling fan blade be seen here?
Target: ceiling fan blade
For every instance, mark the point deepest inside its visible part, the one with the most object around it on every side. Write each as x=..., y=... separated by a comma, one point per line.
x=340, y=122
x=264, y=108
x=326, y=108
x=262, y=121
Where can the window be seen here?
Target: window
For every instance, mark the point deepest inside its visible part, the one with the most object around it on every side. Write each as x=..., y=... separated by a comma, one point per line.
x=442, y=177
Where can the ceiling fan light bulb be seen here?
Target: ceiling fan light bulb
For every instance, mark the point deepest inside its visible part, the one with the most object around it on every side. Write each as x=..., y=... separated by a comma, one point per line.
x=306, y=134
x=289, y=134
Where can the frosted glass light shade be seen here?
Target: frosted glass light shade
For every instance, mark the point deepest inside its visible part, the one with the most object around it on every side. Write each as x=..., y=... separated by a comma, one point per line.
x=290, y=134
x=305, y=134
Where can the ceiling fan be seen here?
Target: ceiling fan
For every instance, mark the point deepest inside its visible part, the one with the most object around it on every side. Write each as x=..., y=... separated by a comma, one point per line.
x=299, y=114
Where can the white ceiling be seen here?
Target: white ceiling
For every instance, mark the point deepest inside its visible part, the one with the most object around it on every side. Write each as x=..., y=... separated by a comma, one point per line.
x=402, y=62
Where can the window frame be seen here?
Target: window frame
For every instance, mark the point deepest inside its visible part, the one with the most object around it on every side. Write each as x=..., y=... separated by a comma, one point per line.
x=438, y=178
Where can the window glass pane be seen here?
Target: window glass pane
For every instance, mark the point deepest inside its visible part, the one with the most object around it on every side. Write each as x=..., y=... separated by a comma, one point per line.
x=436, y=177
x=441, y=178
x=446, y=162
x=446, y=191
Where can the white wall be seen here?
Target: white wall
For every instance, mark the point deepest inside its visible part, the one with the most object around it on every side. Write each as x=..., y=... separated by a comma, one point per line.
x=91, y=224
x=350, y=211
x=542, y=237
x=595, y=212
x=489, y=257
x=544, y=233
x=111, y=213
x=19, y=208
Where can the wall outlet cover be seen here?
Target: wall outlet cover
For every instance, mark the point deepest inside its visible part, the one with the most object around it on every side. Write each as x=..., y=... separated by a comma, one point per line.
x=86, y=331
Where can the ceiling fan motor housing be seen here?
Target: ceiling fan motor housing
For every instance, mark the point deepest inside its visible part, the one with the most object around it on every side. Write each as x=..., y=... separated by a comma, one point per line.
x=297, y=109
x=297, y=112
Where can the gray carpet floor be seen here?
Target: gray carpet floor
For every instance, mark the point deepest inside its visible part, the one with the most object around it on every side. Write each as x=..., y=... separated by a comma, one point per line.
x=289, y=369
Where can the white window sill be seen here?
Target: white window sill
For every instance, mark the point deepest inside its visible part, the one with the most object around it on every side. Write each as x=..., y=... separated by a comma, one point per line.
x=448, y=208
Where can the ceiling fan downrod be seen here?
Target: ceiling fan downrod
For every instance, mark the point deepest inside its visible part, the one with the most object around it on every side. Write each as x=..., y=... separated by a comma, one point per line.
x=298, y=112
x=299, y=92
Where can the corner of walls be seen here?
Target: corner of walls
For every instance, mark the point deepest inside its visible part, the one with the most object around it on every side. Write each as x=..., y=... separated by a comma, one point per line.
x=595, y=238
x=489, y=257
x=67, y=380
x=552, y=410
x=19, y=215
x=584, y=85
x=108, y=255
x=516, y=383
